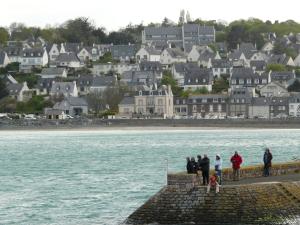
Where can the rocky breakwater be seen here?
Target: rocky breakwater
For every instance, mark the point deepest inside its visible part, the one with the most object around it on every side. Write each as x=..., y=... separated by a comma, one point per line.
x=254, y=203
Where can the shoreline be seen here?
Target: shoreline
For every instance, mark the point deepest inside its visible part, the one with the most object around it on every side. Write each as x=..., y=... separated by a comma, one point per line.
x=150, y=124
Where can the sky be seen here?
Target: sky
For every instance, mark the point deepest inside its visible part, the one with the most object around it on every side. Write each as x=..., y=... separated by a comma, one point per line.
x=115, y=14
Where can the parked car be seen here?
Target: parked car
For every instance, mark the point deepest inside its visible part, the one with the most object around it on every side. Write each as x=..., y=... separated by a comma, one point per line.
x=29, y=117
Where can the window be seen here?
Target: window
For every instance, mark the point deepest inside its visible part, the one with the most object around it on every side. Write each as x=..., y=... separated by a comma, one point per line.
x=264, y=81
x=291, y=106
x=233, y=81
x=160, y=102
x=211, y=108
x=140, y=102
x=215, y=100
x=140, y=93
x=183, y=101
x=256, y=81
x=204, y=100
x=204, y=80
x=241, y=81
x=189, y=80
x=249, y=81
x=194, y=100
x=196, y=80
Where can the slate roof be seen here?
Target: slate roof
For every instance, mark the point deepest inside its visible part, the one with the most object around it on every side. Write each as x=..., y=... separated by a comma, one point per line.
x=72, y=47
x=282, y=76
x=33, y=52
x=62, y=87
x=150, y=66
x=103, y=81
x=182, y=67
x=199, y=76
x=221, y=63
x=85, y=80
x=13, y=50
x=14, y=89
x=67, y=57
x=206, y=55
x=242, y=73
x=52, y=71
x=152, y=50
x=175, y=53
x=119, y=51
x=158, y=31
x=259, y=65
x=76, y=101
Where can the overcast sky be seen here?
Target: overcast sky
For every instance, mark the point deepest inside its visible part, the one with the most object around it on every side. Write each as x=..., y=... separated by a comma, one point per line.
x=114, y=14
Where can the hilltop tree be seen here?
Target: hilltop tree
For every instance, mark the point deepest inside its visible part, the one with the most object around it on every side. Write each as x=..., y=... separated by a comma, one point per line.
x=4, y=36
x=3, y=90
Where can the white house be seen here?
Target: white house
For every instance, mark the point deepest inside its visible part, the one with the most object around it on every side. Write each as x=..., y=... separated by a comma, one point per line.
x=88, y=53
x=18, y=91
x=69, y=60
x=33, y=58
x=196, y=51
x=268, y=47
x=294, y=105
x=4, y=60
x=120, y=68
x=170, y=56
x=148, y=54
x=54, y=52
x=273, y=89
x=66, y=89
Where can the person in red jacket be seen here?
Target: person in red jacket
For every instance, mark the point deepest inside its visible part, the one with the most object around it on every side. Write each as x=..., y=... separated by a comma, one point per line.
x=236, y=161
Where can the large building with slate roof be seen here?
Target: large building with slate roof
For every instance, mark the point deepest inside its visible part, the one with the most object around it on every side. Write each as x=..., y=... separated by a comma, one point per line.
x=182, y=37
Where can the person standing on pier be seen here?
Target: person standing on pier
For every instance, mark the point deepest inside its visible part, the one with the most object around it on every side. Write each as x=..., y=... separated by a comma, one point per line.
x=205, y=169
x=189, y=166
x=218, y=168
x=236, y=161
x=267, y=162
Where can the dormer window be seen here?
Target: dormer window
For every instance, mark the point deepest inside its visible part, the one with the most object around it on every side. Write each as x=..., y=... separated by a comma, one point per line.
x=31, y=54
x=241, y=81
x=151, y=93
x=140, y=93
x=24, y=54
x=204, y=80
x=249, y=81
x=196, y=80
x=159, y=93
x=189, y=80
x=233, y=81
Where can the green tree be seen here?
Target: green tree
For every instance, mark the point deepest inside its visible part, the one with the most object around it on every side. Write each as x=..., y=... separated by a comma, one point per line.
x=276, y=67
x=4, y=36
x=168, y=79
x=220, y=85
x=202, y=90
x=3, y=90
x=295, y=87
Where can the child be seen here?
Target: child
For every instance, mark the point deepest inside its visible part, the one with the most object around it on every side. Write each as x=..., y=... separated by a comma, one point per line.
x=213, y=182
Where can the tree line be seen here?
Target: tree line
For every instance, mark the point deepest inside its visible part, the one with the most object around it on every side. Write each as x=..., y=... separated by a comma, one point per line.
x=84, y=30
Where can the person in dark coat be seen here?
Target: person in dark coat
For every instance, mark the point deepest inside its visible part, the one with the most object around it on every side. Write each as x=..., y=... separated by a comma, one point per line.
x=194, y=165
x=267, y=162
x=199, y=160
x=189, y=166
x=205, y=169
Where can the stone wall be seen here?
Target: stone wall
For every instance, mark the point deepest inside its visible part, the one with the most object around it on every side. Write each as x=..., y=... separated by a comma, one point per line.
x=182, y=203
x=246, y=172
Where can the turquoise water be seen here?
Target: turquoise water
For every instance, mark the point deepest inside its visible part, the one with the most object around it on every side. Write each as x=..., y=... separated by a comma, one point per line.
x=100, y=177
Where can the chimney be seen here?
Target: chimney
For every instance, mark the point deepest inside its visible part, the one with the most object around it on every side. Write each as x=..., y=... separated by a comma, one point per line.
x=129, y=43
x=238, y=46
x=169, y=45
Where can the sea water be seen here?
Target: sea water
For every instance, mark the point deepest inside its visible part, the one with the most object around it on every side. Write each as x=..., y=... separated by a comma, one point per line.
x=101, y=177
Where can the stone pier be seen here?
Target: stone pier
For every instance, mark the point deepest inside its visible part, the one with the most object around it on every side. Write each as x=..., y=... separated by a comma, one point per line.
x=252, y=201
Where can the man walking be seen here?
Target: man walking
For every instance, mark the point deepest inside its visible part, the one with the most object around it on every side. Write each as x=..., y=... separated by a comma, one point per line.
x=267, y=162
x=236, y=161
